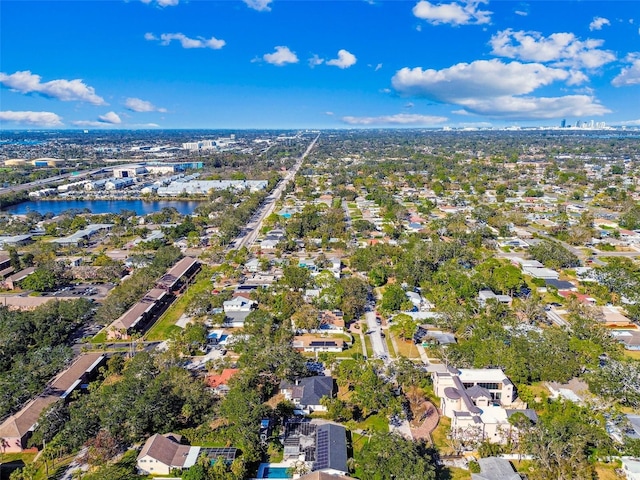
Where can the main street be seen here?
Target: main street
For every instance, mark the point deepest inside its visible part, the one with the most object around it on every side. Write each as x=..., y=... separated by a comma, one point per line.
x=250, y=232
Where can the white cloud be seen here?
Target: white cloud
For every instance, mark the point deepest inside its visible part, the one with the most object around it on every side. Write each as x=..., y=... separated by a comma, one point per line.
x=563, y=49
x=530, y=108
x=465, y=13
x=479, y=78
x=281, y=56
x=345, y=59
x=397, y=119
x=629, y=75
x=186, y=42
x=139, y=105
x=162, y=3
x=65, y=90
x=42, y=119
x=90, y=123
x=521, y=13
x=494, y=88
x=110, y=117
x=409, y=105
x=598, y=23
x=329, y=113
x=315, y=60
x=259, y=5
x=378, y=67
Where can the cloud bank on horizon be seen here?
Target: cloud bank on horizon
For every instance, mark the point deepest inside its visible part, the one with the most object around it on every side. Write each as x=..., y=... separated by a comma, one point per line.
x=456, y=62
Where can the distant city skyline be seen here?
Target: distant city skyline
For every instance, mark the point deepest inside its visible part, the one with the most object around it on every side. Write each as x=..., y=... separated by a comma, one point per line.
x=310, y=64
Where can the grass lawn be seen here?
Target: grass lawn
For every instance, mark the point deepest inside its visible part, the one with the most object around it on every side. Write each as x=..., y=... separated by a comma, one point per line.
x=392, y=350
x=167, y=322
x=377, y=423
x=439, y=436
x=407, y=348
x=367, y=344
x=635, y=354
x=453, y=473
x=101, y=337
x=607, y=471
x=12, y=457
x=356, y=347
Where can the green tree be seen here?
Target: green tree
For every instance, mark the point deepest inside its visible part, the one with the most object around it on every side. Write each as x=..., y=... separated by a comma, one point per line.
x=387, y=456
x=404, y=326
x=41, y=280
x=393, y=298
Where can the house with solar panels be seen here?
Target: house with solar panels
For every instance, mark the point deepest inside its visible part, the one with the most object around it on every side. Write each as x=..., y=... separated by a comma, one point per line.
x=321, y=445
x=306, y=343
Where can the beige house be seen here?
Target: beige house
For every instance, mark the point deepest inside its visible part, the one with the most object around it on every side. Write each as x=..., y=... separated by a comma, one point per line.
x=163, y=453
x=479, y=403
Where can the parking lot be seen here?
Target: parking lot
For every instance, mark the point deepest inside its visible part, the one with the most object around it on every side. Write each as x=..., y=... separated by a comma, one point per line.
x=96, y=292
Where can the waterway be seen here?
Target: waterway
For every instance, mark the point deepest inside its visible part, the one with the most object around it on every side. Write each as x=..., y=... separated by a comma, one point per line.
x=141, y=207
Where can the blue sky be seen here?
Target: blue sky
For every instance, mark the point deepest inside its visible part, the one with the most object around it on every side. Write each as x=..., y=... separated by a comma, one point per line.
x=317, y=64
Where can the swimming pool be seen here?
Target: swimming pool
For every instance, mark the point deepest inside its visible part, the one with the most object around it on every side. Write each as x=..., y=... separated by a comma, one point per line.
x=275, y=472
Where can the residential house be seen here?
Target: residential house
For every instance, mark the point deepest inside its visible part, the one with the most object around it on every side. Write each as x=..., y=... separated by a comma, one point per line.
x=331, y=450
x=631, y=467
x=495, y=468
x=163, y=453
x=321, y=445
x=237, y=310
x=220, y=383
x=485, y=295
x=324, y=476
x=544, y=273
x=239, y=304
x=306, y=343
x=630, y=339
x=331, y=320
x=479, y=403
x=306, y=393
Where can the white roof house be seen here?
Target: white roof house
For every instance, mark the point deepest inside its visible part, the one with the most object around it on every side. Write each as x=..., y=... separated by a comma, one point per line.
x=544, y=273
x=239, y=304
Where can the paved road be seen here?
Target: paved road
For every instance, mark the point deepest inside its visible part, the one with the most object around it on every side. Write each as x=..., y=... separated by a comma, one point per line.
x=252, y=229
x=374, y=330
x=557, y=319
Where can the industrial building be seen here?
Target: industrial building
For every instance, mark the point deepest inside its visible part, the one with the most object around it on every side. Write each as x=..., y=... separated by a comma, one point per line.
x=203, y=187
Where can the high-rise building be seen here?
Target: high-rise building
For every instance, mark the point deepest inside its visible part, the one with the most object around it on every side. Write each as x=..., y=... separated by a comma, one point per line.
x=563, y=123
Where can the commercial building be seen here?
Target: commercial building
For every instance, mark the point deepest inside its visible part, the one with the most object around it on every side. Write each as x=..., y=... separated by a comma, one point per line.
x=129, y=171
x=84, y=234
x=203, y=187
x=118, y=183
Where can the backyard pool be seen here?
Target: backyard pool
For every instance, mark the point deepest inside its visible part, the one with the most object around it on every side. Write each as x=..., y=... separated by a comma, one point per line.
x=267, y=471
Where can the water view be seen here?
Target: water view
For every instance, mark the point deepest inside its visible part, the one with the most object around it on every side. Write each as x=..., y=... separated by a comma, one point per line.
x=141, y=207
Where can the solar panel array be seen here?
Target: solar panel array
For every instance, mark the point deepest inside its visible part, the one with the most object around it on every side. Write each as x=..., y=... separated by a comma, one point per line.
x=322, y=450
